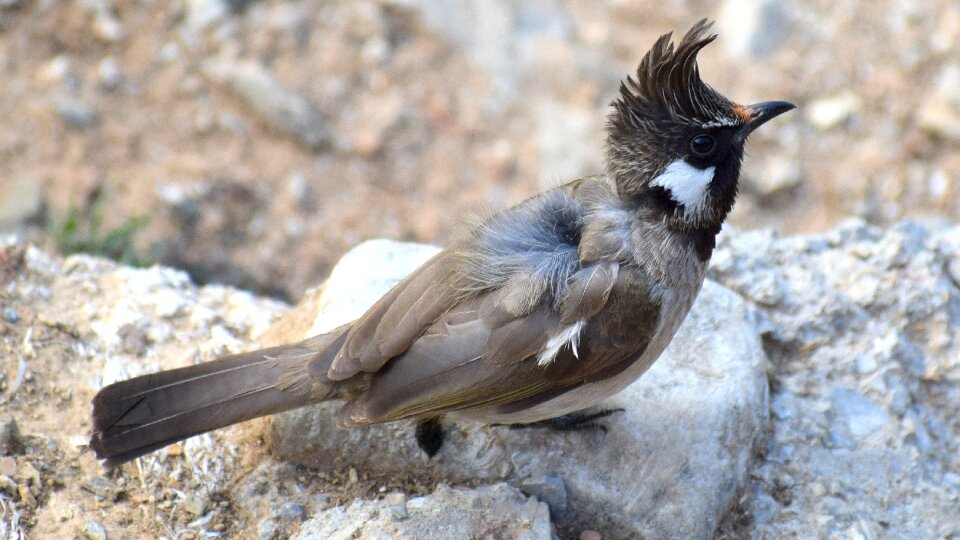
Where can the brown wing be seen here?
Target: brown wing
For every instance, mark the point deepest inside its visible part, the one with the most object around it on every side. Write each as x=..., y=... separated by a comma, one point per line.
x=389, y=327
x=444, y=369
x=476, y=356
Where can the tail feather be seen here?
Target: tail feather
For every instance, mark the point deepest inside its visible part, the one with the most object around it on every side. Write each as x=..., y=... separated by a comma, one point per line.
x=134, y=417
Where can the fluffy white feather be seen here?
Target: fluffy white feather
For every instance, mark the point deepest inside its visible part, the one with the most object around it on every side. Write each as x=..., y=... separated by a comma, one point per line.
x=687, y=184
x=569, y=334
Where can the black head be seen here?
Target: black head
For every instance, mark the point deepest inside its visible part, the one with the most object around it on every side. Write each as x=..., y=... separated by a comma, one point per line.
x=674, y=141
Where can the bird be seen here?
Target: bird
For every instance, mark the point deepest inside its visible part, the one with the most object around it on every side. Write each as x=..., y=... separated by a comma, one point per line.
x=537, y=312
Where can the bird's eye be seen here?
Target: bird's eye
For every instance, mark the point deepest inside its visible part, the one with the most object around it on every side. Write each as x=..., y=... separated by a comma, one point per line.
x=703, y=145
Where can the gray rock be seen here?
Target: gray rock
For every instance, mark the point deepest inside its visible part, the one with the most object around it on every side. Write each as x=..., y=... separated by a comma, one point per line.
x=103, y=488
x=291, y=511
x=862, y=324
x=772, y=177
x=109, y=75
x=21, y=199
x=549, y=489
x=76, y=113
x=11, y=441
x=752, y=28
x=202, y=14
x=279, y=107
x=689, y=428
x=94, y=531
x=940, y=110
x=830, y=112
x=445, y=513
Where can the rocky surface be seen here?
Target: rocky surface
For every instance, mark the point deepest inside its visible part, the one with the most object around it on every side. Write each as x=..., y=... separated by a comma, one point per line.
x=495, y=511
x=862, y=326
x=860, y=436
x=283, y=123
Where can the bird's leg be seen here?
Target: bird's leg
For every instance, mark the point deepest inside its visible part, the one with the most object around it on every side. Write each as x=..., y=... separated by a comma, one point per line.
x=575, y=421
x=430, y=435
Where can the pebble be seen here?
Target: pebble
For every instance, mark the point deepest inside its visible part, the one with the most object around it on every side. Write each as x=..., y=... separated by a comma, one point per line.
x=397, y=504
x=76, y=113
x=103, y=488
x=94, y=531
x=279, y=107
x=863, y=416
x=291, y=511
x=828, y=113
x=940, y=110
x=752, y=28
x=549, y=489
x=8, y=485
x=107, y=27
x=11, y=441
x=109, y=74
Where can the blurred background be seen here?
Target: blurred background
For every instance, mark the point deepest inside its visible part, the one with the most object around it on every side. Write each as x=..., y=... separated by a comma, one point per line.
x=253, y=142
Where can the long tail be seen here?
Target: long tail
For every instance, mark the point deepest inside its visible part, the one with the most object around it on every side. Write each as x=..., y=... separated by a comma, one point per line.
x=137, y=416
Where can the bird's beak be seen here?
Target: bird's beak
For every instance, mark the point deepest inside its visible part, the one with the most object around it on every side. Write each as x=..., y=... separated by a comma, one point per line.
x=760, y=113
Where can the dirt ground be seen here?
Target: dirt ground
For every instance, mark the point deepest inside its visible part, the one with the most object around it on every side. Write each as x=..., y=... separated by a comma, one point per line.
x=416, y=123
x=403, y=126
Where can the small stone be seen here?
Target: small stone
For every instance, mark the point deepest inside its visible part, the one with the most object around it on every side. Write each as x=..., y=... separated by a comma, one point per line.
x=107, y=27
x=10, y=315
x=109, y=74
x=26, y=496
x=549, y=489
x=57, y=69
x=76, y=113
x=8, y=485
x=103, y=488
x=94, y=531
x=11, y=441
x=291, y=511
x=753, y=28
x=828, y=113
x=590, y=535
x=21, y=200
x=133, y=340
x=774, y=176
x=204, y=13
x=940, y=110
x=195, y=504
x=862, y=416
x=352, y=477
x=397, y=504
x=279, y=107
x=267, y=529
x=169, y=52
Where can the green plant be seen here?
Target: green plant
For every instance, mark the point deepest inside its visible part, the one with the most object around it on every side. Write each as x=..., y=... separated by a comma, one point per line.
x=82, y=231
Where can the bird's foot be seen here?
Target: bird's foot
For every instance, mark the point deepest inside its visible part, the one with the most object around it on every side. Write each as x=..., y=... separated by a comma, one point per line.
x=576, y=421
x=430, y=435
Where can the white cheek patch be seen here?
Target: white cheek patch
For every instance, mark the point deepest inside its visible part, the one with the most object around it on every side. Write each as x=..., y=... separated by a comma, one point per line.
x=687, y=184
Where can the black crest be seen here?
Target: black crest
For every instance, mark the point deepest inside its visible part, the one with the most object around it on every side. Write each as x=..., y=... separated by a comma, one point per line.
x=668, y=85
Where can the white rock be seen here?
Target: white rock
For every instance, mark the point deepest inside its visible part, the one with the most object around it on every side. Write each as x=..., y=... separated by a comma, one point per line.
x=752, y=28
x=445, y=513
x=940, y=112
x=828, y=113
x=689, y=430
